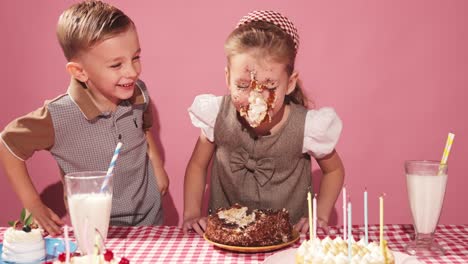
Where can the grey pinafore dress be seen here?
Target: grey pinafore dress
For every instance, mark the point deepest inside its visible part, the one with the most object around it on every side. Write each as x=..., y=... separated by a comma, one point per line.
x=260, y=172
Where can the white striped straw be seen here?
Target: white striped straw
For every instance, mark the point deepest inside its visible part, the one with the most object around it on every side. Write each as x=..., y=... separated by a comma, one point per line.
x=111, y=166
x=448, y=146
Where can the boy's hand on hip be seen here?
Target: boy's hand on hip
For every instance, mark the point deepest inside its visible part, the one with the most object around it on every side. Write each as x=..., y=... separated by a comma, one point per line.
x=46, y=218
x=163, y=182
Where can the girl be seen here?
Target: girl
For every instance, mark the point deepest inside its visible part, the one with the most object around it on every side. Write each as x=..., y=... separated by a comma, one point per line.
x=262, y=135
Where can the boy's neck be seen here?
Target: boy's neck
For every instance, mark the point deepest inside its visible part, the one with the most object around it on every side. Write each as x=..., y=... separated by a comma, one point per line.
x=101, y=102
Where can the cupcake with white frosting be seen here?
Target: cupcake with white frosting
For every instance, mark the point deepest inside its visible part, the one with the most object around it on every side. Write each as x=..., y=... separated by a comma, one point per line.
x=23, y=241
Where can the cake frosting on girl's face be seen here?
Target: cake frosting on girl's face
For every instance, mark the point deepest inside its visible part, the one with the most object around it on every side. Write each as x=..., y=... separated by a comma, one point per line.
x=259, y=107
x=258, y=86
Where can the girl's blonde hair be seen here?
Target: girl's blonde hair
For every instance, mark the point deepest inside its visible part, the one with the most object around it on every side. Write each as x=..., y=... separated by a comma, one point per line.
x=273, y=42
x=85, y=24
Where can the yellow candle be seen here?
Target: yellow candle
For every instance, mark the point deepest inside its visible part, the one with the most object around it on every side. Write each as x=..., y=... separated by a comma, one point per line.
x=309, y=200
x=381, y=223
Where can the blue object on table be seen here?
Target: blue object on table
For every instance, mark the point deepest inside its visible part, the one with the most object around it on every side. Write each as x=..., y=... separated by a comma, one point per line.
x=50, y=245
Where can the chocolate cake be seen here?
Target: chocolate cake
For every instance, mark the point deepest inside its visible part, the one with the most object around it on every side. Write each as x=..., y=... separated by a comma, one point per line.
x=239, y=226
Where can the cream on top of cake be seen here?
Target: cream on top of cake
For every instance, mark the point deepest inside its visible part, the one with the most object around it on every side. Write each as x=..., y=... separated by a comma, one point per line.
x=20, y=246
x=330, y=251
x=237, y=216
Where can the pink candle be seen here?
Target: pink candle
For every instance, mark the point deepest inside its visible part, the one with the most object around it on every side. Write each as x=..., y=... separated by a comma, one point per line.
x=344, y=212
x=315, y=215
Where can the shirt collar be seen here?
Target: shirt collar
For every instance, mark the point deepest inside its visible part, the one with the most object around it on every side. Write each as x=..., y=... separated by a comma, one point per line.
x=82, y=98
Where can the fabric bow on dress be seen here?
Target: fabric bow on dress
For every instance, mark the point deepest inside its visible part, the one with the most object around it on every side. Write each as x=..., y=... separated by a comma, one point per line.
x=261, y=169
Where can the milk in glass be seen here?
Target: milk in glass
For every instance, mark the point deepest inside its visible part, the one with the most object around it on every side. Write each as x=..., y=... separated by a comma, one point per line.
x=426, y=196
x=89, y=211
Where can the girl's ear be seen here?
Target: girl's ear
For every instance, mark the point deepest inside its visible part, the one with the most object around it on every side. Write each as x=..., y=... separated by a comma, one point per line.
x=292, y=82
x=226, y=74
x=76, y=70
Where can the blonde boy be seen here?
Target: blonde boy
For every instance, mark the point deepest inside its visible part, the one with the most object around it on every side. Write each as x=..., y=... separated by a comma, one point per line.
x=105, y=103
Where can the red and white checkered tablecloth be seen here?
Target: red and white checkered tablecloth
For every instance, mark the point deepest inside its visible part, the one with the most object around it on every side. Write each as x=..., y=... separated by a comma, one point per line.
x=168, y=244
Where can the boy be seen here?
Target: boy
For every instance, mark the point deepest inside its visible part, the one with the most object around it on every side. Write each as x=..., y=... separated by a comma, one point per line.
x=105, y=103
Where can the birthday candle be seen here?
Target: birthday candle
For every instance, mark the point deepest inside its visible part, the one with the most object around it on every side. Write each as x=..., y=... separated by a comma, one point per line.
x=381, y=221
x=349, y=231
x=309, y=198
x=344, y=212
x=366, y=227
x=315, y=215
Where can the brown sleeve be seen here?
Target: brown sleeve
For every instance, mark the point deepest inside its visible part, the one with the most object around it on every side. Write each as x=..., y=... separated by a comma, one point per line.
x=148, y=117
x=34, y=131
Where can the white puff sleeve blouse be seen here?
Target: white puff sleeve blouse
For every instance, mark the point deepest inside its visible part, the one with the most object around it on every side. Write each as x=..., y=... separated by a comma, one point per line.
x=321, y=131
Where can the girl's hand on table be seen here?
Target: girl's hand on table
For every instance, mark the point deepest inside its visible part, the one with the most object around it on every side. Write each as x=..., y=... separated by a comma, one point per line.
x=303, y=225
x=323, y=225
x=197, y=224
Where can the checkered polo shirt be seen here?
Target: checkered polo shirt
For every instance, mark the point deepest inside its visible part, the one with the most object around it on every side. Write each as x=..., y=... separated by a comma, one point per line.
x=81, y=138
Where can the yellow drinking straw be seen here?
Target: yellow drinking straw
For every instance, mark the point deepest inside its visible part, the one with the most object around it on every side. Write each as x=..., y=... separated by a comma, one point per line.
x=444, y=159
x=448, y=145
x=309, y=200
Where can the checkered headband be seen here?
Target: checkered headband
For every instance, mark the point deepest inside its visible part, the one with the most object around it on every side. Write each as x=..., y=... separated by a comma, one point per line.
x=274, y=18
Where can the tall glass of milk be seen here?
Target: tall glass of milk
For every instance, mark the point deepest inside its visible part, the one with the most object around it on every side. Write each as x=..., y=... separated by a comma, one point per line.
x=89, y=207
x=425, y=181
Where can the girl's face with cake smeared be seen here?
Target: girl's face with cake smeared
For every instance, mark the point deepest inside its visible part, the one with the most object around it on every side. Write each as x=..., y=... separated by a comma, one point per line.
x=258, y=85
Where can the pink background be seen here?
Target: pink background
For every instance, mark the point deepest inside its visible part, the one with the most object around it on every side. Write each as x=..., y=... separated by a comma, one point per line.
x=395, y=71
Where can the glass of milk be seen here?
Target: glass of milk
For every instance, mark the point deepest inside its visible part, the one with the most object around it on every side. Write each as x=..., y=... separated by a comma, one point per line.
x=89, y=207
x=425, y=181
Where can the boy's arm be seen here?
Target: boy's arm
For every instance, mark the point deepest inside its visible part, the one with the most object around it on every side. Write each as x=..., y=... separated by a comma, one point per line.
x=159, y=172
x=194, y=184
x=18, y=176
x=330, y=185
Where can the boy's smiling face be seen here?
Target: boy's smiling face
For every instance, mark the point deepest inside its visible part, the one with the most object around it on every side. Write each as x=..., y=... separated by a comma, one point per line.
x=110, y=68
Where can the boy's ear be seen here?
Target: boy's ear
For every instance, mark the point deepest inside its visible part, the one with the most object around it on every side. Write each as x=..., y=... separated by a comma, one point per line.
x=292, y=82
x=76, y=70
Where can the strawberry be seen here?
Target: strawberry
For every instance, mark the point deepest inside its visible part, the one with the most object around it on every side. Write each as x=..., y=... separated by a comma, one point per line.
x=108, y=255
x=62, y=257
x=124, y=260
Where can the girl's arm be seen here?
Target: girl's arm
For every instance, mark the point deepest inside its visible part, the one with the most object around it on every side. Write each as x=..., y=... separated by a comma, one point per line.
x=159, y=172
x=330, y=185
x=194, y=185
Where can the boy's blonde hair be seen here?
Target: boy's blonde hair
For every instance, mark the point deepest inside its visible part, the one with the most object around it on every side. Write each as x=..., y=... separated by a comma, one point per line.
x=271, y=41
x=85, y=24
